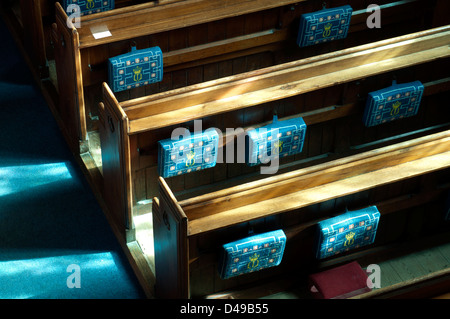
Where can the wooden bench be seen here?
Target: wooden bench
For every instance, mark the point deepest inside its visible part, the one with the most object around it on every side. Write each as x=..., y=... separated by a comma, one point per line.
x=147, y=25
x=188, y=233
x=328, y=91
x=227, y=51
x=30, y=21
x=132, y=128
x=240, y=36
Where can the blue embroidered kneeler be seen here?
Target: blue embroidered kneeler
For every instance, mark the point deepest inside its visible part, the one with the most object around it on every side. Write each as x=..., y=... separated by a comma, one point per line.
x=191, y=153
x=252, y=254
x=345, y=232
x=278, y=139
x=395, y=102
x=324, y=25
x=136, y=68
x=90, y=6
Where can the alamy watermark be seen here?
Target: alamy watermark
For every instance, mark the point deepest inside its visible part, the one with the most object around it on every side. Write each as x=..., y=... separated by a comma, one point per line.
x=373, y=276
x=74, y=279
x=373, y=21
x=74, y=12
x=266, y=154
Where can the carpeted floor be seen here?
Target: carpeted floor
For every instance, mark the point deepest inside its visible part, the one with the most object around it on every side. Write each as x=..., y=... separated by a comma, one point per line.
x=49, y=218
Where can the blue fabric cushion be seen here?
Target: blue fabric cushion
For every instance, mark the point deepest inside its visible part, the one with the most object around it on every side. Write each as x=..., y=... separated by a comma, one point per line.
x=191, y=153
x=348, y=231
x=324, y=25
x=395, y=102
x=136, y=68
x=252, y=254
x=90, y=6
x=278, y=139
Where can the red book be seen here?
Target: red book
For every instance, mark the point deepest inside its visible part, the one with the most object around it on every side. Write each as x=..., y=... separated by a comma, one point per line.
x=338, y=283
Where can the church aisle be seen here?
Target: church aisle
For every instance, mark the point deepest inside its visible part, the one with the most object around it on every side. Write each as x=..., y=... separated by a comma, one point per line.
x=55, y=241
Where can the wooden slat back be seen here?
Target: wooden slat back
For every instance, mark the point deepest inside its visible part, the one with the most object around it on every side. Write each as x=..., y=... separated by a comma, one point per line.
x=325, y=184
x=247, y=89
x=309, y=177
x=145, y=20
x=277, y=24
x=387, y=44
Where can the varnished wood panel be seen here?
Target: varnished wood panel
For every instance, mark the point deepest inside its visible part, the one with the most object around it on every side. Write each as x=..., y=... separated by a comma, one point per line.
x=290, y=81
x=70, y=85
x=171, y=259
x=116, y=164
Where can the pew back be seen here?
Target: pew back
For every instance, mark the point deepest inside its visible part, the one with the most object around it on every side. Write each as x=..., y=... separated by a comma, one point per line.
x=189, y=233
x=261, y=35
x=131, y=129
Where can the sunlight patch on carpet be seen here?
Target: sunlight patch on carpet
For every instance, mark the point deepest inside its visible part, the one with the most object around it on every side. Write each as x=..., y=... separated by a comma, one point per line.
x=15, y=179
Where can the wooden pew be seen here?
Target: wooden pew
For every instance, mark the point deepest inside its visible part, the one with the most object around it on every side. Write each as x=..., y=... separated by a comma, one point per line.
x=249, y=89
x=188, y=233
x=262, y=34
x=130, y=129
x=146, y=24
x=332, y=108
x=30, y=21
x=244, y=45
